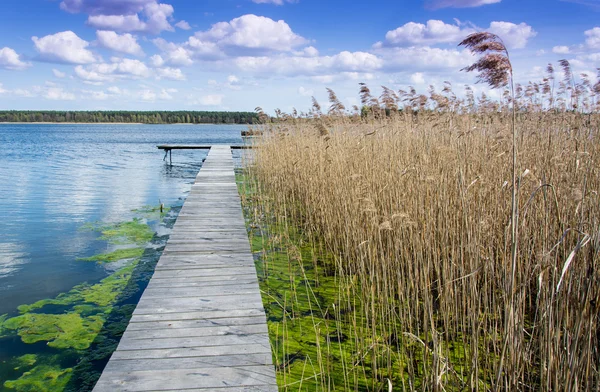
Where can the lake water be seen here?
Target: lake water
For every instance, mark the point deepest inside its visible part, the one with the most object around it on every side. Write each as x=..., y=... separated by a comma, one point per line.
x=56, y=178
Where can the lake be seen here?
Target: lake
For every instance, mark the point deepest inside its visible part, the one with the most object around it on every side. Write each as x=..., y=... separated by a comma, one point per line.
x=56, y=180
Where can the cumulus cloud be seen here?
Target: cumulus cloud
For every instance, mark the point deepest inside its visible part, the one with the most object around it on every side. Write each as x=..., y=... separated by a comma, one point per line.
x=64, y=47
x=9, y=59
x=172, y=53
x=156, y=19
x=436, y=4
x=183, y=25
x=122, y=43
x=417, y=78
x=434, y=32
x=252, y=32
x=561, y=49
x=437, y=32
x=309, y=66
x=424, y=58
x=515, y=36
x=58, y=94
x=593, y=38
x=169, y=73
x=109, y=72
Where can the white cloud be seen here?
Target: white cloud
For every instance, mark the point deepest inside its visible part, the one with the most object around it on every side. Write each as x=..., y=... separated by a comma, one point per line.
x=122, y=43
x=436, y=4
x=434, y=32
x=252, y=32
x=169, y=73
x=64, y=47
x=437, y=32
x=212, y=100
x=110, y=72
x=515, y=36
x=424, y=58
x=9, y=59
x=310, y=66
x=173, y=53
x=2, y=90
x=58, y=74
x=147, y=95
x=165, y=94
x=561, y=49
x=593, y=38
x=305, y=92
x=157, y=60
x=417, y=78
x=183, y=25
x=58, y=94
x=156, y=19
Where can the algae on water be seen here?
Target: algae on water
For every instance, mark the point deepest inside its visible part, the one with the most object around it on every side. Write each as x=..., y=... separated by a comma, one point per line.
x=85, y=323
x=42, y=378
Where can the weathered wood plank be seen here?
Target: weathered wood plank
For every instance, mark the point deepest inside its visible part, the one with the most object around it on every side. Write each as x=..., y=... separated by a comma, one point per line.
x=200, y=324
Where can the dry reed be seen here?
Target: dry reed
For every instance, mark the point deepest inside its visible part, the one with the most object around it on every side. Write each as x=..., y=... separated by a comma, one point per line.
x=416, y=206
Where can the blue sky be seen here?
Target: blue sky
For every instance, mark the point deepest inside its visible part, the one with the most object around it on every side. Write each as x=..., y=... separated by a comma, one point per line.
x=239, y=54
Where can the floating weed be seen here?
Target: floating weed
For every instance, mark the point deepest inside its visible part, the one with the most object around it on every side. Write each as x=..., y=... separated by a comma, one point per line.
x=69, y=330
x=27, y=360
x=117, y=255
x=42, y=378
x=85, y=323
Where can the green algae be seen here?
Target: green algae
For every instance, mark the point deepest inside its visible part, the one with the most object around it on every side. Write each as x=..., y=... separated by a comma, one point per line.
x=27, y=361
x=69, y=330
x=117, y=255
x=42, y=378
x=85, y=323
x=319, y=334
x=309, y=325
x=136, y=231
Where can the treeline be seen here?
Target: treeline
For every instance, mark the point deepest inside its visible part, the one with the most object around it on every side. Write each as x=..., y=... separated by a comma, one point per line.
x=153, y=117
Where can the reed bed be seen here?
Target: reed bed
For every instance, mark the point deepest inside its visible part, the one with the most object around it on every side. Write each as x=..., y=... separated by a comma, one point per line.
x=415, y=207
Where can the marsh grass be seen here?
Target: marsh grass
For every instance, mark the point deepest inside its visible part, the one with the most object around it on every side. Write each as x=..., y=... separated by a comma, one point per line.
x=415, y=210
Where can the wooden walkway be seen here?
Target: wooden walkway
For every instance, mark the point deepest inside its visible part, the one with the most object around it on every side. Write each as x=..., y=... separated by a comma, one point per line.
x=200, y=325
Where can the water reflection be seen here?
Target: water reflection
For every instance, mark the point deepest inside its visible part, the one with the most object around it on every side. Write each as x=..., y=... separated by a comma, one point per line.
x=54, y=178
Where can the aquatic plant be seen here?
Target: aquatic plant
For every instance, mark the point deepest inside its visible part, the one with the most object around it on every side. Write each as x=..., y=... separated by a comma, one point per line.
x=416, y=209
x=84, y=323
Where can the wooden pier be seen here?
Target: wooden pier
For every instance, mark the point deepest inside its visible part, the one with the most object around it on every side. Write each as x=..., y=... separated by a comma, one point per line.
x=200, y=325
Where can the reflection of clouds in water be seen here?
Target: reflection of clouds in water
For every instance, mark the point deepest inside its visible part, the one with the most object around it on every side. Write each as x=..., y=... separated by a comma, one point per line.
x=11, y=257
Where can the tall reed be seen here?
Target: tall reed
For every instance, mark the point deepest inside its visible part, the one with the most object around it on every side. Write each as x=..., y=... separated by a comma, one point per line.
x=416, y=208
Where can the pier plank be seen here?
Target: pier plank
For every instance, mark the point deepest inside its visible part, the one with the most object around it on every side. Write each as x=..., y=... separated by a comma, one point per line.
x=200, y=324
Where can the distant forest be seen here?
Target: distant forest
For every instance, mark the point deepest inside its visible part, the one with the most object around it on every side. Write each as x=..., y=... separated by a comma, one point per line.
x=155, y=117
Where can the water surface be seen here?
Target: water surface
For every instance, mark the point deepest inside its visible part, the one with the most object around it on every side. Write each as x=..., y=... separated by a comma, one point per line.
x=55, y=177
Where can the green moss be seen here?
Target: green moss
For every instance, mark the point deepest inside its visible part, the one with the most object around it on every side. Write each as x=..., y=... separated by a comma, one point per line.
x=42, y=378
x=59, y=330
x=117, y=255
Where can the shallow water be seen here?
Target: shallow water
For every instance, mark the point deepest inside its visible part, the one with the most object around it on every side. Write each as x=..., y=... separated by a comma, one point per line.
x=55, y=178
